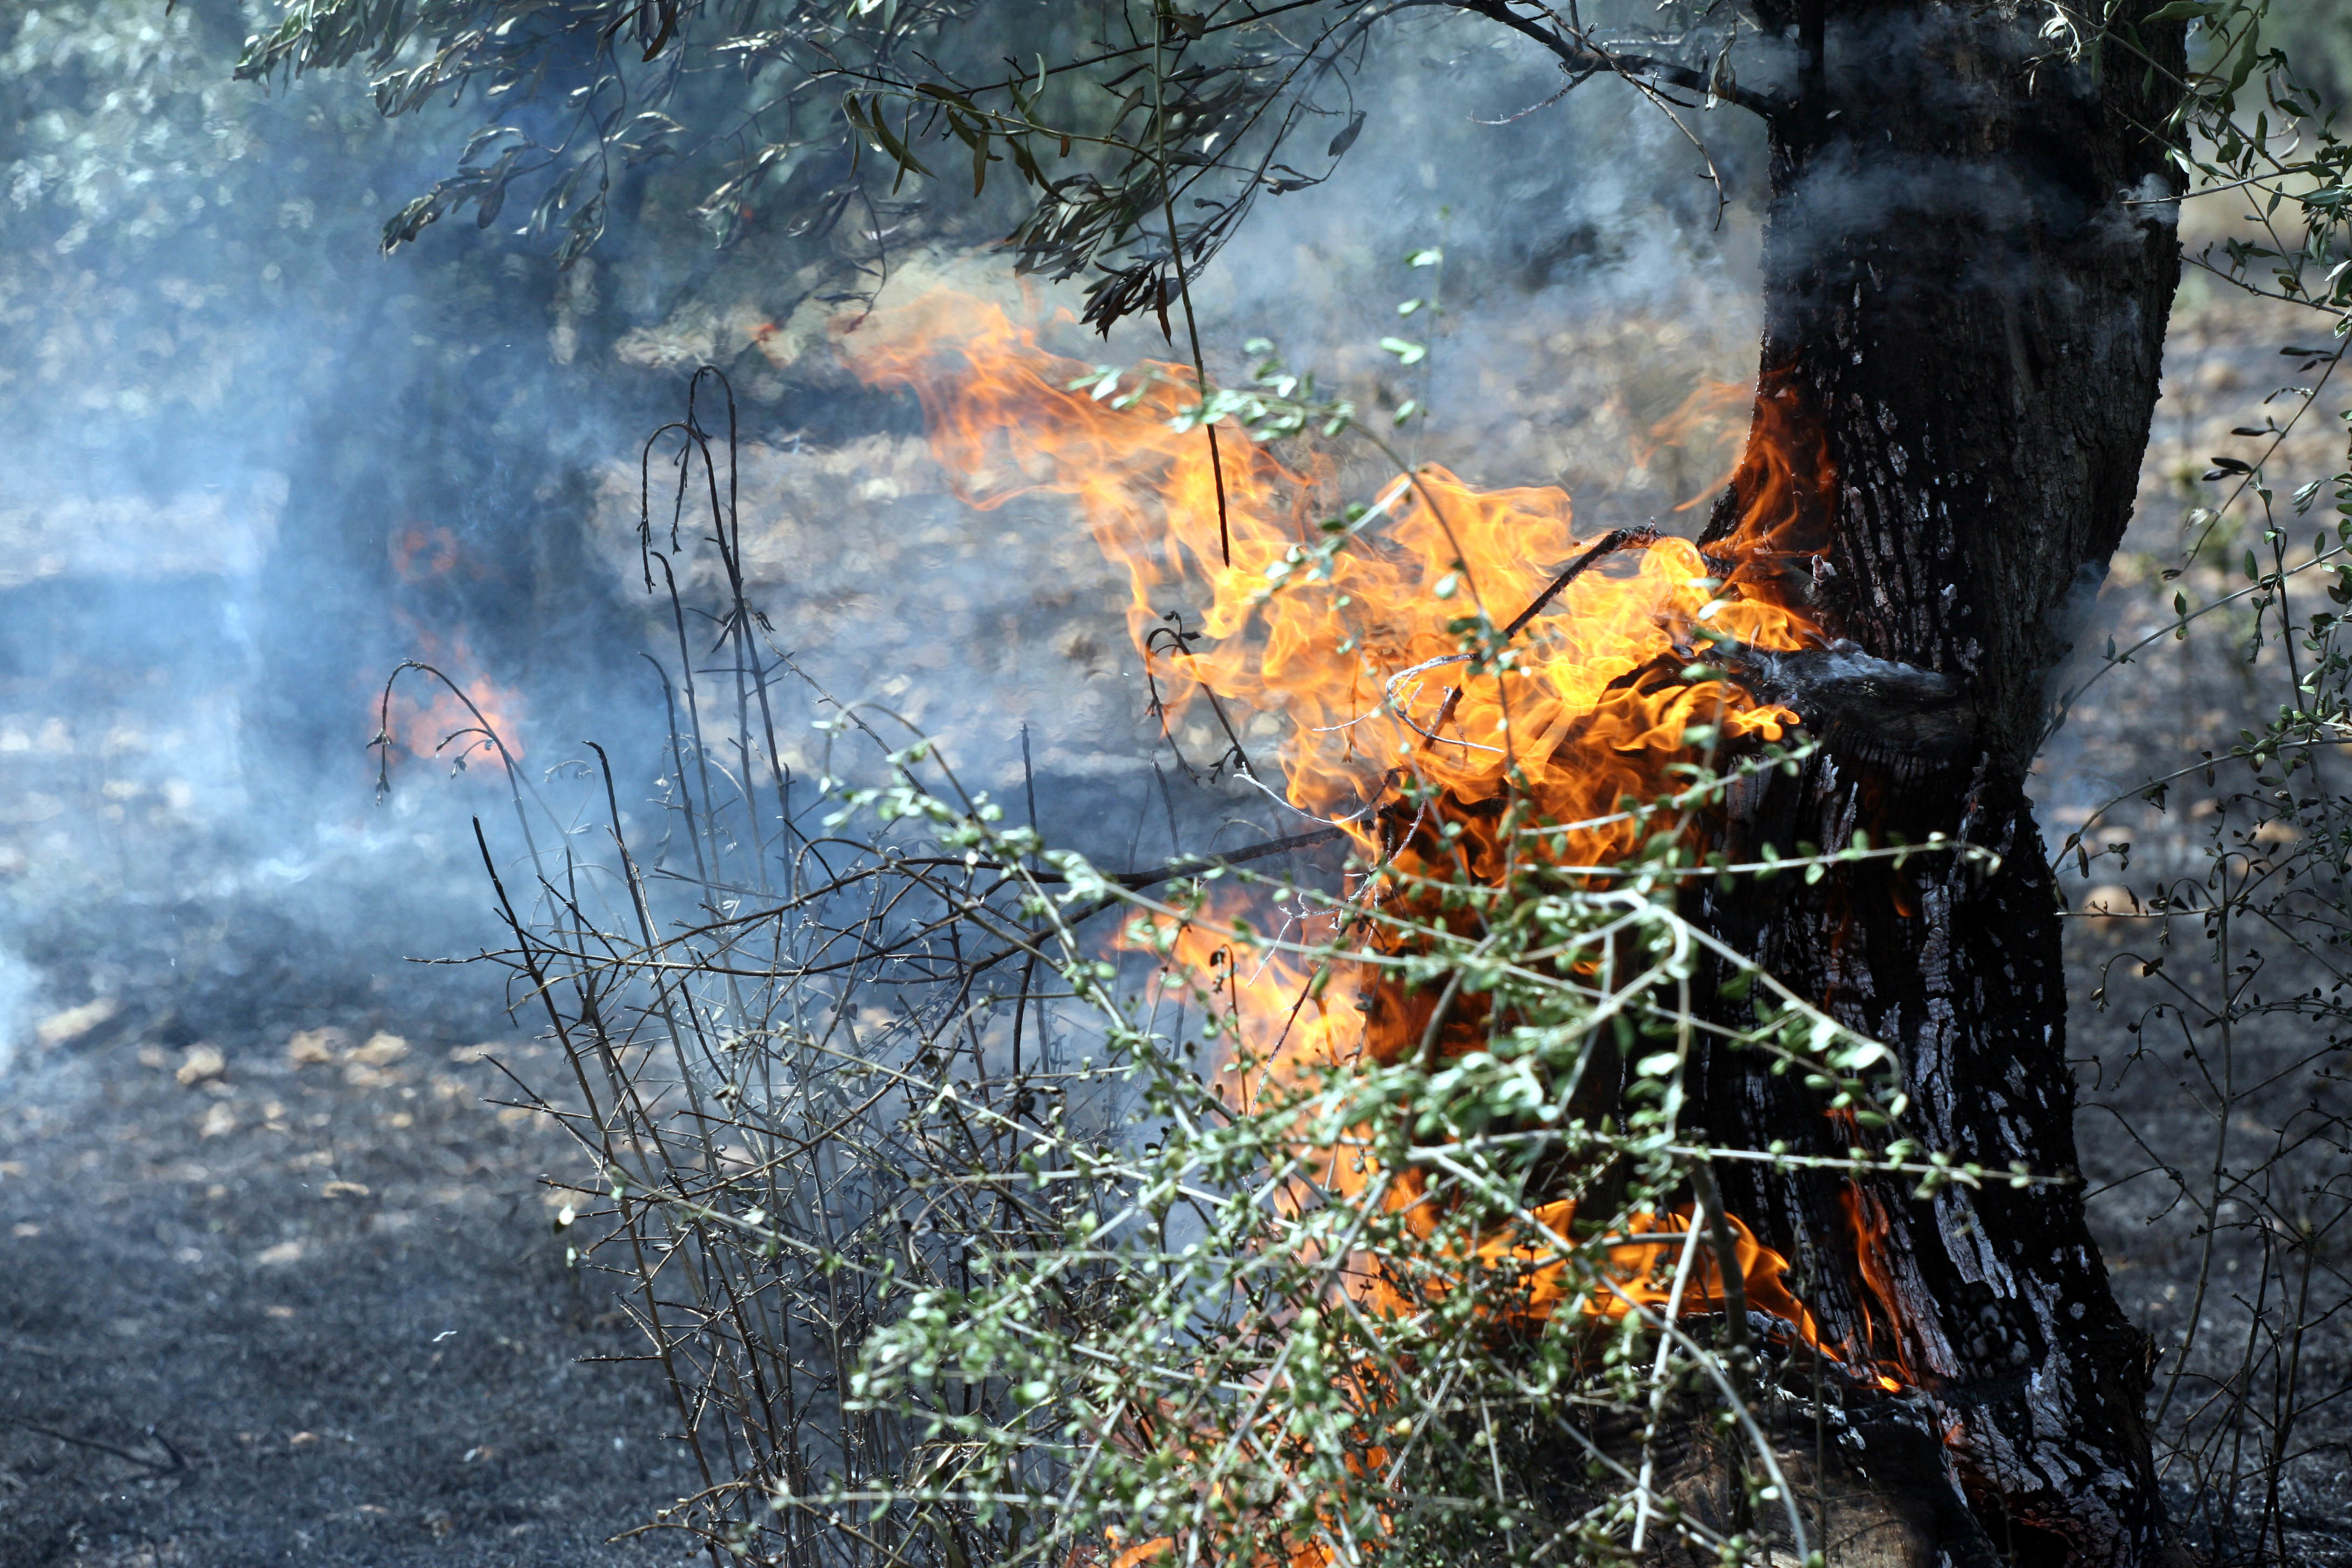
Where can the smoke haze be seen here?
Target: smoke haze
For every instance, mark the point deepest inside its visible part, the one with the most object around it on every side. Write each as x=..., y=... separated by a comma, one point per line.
x=253, y=464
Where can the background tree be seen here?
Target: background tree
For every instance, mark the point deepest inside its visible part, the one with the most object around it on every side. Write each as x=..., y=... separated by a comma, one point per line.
x=1969, y=263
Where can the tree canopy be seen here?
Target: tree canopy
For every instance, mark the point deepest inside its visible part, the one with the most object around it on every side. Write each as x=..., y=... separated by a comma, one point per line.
x=1141, y=136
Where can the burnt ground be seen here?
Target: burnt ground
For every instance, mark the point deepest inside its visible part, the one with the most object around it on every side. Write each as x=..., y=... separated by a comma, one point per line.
x=304, y=1311
x=305, y=1307
x=2217, y=1157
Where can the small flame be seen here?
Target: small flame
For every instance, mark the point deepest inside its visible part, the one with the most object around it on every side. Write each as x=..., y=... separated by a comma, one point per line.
x=1708, y=418
x=427, y=719
x=1872, y=1227
x=1144, y=1551
x=1642, y=1271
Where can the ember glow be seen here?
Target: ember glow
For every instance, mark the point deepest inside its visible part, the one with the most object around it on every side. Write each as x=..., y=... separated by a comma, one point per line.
x=422, y=552
x=1593, y=702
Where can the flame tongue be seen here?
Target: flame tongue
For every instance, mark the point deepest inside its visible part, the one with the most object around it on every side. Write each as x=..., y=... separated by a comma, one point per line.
x=1365, y=666
x=1642, y=1273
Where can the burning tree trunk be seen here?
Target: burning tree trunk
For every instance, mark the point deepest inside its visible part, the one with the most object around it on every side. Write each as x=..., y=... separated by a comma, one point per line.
x=1969, y=267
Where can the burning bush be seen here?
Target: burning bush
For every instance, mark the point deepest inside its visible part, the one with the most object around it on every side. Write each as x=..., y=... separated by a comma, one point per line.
x=1313, y=1217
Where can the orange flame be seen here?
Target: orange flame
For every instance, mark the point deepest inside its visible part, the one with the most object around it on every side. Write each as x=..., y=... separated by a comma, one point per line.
x=1359, y=652
x=421, y=552
x=1706, y=419
x=1872, y=1227
x=1592, y=708
x=1524, y=1271
x=1642, y=1271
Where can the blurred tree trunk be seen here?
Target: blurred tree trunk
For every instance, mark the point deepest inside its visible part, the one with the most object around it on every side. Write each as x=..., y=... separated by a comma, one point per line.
x=1963, y=300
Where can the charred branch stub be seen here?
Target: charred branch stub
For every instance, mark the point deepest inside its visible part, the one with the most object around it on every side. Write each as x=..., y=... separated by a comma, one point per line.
x=1873, y=710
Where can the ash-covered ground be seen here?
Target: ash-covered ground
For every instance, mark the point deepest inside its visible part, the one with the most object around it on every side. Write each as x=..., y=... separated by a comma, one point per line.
x=291, y=1295
x=2216, y=1133
x=277, y=1278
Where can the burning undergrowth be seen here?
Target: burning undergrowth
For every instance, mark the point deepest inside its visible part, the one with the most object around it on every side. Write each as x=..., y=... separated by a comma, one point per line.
x=1305, y=1216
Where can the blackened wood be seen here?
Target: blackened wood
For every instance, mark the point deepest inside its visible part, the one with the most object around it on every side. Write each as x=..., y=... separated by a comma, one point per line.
x=1968, y=267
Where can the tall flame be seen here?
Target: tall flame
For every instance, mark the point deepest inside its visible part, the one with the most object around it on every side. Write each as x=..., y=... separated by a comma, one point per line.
x=1357, y=652
x=1872, y=1227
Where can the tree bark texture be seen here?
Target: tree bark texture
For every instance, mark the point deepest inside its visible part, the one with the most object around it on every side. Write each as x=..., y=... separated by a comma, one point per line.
x=1969, y=267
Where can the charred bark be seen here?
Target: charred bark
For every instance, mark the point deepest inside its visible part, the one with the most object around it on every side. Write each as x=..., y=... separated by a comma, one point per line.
x=1969, y=267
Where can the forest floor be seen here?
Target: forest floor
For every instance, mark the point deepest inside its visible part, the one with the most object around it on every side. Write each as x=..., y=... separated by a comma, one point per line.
x=2213, y=1137
x=306, y=1308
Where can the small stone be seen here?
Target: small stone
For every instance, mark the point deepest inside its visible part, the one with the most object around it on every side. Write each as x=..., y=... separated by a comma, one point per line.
x=314, y=1047
x=58, y=1028
x=201, y=1064
x=382, y=1050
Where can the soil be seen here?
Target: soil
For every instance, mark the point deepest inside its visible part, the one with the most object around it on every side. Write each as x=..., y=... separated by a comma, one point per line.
x=305, y=1311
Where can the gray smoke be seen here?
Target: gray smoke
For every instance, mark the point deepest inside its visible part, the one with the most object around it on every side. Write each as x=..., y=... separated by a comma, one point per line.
x=252, y=465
